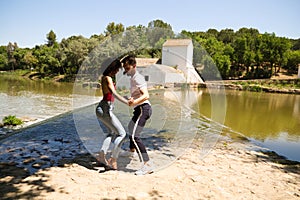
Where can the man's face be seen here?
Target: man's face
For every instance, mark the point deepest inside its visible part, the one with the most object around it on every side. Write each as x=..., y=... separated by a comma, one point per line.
x=129, y=69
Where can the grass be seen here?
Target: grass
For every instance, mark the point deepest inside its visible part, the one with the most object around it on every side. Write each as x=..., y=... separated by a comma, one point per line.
x=257, y=85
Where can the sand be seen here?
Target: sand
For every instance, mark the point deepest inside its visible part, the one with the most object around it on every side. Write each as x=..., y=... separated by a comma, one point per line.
x=232, y=170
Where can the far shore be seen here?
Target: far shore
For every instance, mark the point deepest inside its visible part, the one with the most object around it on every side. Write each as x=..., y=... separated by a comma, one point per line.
x=279, y=83
x=283, y=86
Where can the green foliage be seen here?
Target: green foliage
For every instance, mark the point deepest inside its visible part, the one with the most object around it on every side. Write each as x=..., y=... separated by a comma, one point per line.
x=253, y=88
x=245, y=53
x=293, y=61
x=12, y=120
x=114, y=29
x=157, y=32
x=51, y=38
x=296, y=44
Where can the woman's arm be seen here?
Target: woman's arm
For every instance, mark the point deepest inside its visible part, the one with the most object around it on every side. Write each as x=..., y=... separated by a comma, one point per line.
x=111, y=87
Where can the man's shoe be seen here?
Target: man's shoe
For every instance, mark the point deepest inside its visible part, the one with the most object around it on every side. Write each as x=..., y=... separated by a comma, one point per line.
x=146, y=169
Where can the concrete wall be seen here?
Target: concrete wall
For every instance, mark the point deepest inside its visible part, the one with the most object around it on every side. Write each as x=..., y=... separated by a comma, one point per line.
x=174, y=78
x=154, y=75
x=182, y=57
x=177, y=56
x=160, y=74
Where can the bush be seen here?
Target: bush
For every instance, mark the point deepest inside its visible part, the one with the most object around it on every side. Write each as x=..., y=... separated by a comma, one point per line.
x=12, y=120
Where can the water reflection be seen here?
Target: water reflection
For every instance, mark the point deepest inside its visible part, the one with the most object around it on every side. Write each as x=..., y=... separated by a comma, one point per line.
x=14, y=86
x=261, y=115
x=273, y=120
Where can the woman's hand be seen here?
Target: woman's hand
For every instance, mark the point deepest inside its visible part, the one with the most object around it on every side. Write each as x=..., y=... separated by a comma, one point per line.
x=131, y=101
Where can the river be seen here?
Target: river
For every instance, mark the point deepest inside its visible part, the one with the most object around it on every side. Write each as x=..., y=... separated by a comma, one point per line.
x=270, y=120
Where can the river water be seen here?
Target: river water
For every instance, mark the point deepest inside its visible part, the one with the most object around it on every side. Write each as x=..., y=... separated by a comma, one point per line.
x=270, y=120
x=38, y=100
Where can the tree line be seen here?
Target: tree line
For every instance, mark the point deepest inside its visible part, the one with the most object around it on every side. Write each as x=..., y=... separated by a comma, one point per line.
x=245, y=53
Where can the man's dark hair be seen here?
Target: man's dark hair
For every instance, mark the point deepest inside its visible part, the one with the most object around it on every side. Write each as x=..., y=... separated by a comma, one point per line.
x=130, y=59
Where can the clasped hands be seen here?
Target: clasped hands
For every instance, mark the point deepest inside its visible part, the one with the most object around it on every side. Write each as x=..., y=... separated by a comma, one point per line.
x=131, y=102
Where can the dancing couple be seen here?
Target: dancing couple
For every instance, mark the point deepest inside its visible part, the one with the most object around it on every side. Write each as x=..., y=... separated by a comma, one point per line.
x=113, y=129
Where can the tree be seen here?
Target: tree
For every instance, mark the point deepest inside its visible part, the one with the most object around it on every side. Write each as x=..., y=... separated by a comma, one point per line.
x=11, y=48
x=19, y=58
x=114, y=29
x=274, y=50
x=249, y=32
x=48, y=61
x=75, y=49
x=135, y=40
x=218, y=65
x=3, y=58
x=293, y=61
x=296, y=44
x=223, y=64
x=212, y=32
x=216, y=50
x=3, y=62
x=247, y=46
x=283, y=46
x=159, y=24
x=158, y=30
x=51, y=38
x=226, y=36
x=30, y=60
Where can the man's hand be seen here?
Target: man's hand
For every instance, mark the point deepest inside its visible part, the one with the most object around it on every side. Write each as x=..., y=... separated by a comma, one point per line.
x=131, y=101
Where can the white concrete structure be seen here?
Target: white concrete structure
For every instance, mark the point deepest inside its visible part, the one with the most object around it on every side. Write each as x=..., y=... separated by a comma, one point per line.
x=298, y=70
x=179, y=53
x=154, y=74
x=176, y=67
x=161, y=74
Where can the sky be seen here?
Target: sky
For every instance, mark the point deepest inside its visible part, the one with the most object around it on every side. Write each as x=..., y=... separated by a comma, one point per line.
x=27, y=22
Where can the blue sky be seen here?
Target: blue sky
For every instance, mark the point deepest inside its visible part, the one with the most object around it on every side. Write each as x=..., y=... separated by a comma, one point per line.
x=28, y=21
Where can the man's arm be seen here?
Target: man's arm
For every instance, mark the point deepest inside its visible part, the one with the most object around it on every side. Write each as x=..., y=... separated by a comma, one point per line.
x=144, y=96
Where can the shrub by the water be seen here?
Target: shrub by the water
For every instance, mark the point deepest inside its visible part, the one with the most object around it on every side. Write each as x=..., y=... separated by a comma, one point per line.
x=12, y=120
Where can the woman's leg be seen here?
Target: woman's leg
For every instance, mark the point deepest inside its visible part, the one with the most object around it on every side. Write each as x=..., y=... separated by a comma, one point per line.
x=102, y=112
x=120, y=134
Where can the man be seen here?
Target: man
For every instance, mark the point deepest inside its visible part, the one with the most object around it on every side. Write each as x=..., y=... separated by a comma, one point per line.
x=142, y=111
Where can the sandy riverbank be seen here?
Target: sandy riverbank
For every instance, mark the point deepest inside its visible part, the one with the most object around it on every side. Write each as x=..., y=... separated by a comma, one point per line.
x=229, y=171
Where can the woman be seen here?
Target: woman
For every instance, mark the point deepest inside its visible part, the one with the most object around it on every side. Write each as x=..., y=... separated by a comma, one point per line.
x=113, y=128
